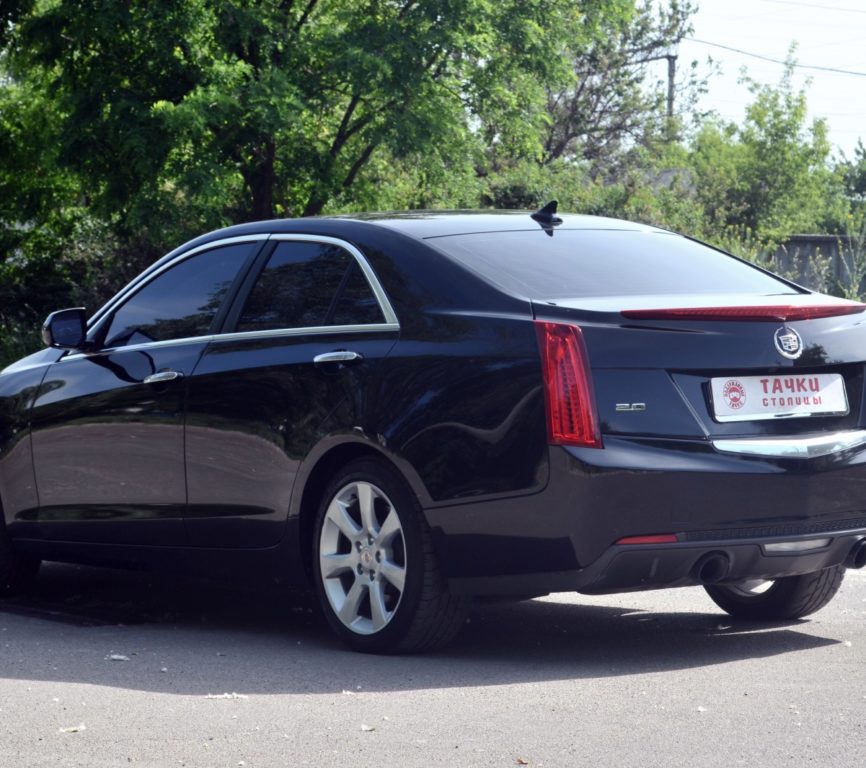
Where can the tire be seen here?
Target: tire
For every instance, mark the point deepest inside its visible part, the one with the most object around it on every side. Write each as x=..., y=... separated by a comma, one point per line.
x=17, y=569
x=375, y=571
x=791, y=597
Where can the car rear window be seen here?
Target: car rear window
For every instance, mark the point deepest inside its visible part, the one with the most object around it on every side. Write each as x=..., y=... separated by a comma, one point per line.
x=584, y=263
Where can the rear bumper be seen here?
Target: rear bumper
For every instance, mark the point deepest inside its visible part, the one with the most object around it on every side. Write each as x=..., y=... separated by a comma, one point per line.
x=564, y=538
x=632, y=568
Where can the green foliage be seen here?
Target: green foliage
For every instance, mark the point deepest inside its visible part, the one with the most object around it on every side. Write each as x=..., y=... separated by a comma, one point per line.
x=852, y=250
x=771, y=175
x=613, y=109
x=230, y=110
x=853, y=174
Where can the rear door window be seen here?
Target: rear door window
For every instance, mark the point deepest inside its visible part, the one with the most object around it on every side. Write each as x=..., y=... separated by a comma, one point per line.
x=309, y=285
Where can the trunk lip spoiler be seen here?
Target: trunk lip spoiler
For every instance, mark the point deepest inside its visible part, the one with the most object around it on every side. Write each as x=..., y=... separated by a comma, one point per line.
x=779, y=313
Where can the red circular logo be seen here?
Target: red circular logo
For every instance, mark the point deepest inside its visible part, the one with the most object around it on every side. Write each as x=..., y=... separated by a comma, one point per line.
x=734, y=394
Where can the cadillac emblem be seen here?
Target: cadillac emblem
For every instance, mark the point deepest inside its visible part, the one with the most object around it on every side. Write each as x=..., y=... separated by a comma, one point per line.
x=788, y=343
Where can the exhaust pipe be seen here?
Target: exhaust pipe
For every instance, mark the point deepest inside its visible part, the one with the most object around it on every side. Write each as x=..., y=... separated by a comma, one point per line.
x=857, y=556
x=713, y=567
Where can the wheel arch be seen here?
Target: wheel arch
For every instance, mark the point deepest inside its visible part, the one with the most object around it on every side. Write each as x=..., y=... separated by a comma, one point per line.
x=314, y=476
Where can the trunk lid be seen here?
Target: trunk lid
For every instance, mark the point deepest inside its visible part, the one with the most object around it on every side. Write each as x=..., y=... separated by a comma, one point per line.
x=654, y=360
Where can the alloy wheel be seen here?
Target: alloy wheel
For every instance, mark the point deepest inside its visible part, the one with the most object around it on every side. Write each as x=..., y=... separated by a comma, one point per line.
x=362, y=557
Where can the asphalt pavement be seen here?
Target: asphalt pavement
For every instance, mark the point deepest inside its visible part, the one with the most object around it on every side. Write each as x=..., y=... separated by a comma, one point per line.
x=101, y=668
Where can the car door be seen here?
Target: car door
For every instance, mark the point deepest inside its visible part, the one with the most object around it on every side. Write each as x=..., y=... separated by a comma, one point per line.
x=107, y=424
x=297, y=362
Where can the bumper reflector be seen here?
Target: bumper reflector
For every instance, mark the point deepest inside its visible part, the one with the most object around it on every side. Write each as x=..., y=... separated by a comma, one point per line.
x=795, y=546
x=661, y=538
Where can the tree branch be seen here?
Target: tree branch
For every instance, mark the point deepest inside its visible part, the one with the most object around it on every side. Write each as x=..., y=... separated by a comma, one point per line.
x=406, y=8
x=342, y=134
x=305, y=15
x=358, y=164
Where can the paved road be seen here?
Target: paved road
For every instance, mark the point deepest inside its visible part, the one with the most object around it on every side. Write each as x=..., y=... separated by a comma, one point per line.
x=216, y=676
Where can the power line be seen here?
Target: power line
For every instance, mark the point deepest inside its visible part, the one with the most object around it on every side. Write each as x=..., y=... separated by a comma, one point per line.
x=815, y=5
x=776, y=61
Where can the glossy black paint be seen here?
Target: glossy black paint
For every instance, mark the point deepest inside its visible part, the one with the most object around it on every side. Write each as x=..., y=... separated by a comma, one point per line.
x=223, y=465
x=255, y=409
x=18, y=387
x=101, y=437
x=469, y=415
x=641, y=487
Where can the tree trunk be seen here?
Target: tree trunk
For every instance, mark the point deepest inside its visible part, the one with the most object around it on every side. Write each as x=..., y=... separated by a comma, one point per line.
x=261, y=179
x=314, y=206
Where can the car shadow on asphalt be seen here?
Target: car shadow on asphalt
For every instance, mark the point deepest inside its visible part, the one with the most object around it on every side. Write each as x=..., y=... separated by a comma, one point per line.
x=199, y=638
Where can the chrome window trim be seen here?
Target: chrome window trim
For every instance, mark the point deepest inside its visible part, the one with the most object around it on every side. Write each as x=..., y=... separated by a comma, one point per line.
x=372, y=280
x=391, y=322
x=144, y=278
x=318, y=330
x=794, y=447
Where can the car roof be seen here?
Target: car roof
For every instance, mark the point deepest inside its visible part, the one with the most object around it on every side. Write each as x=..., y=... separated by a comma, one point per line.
x=426, y=224
x=416, y=224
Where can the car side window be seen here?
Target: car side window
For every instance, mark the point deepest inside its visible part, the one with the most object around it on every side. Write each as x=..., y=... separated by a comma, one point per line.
x=180, y=303
x=309, y=285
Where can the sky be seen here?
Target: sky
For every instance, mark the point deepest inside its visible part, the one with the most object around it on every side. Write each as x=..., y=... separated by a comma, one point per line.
x=828, y=33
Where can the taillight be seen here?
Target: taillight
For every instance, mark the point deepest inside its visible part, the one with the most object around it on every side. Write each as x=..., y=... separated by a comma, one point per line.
x=751, y=314
x=571, y=418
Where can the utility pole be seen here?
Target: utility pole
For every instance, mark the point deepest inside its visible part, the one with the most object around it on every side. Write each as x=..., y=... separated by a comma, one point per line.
x=672, y=73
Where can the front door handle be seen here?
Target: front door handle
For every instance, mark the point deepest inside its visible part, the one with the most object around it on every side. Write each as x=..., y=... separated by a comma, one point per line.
x=345, y=356
x=161, y=377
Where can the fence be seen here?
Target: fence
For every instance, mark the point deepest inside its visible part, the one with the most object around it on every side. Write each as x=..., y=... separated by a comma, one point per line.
x=820, y=262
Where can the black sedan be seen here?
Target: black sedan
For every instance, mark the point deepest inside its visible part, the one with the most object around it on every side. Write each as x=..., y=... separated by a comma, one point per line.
x=405, y=411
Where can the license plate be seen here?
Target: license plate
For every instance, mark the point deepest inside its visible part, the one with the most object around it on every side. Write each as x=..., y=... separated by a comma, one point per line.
x=752, y=398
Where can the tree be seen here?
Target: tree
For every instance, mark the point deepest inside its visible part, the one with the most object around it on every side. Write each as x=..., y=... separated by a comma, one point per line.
x=279, y=106
x=606, y=129
x=854, y=174
x=771, y=175
x=34, y=199
x=612, y=106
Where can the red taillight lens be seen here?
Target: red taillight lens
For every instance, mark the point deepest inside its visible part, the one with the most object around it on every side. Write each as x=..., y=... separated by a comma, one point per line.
x=571, y=418
x=752, y=314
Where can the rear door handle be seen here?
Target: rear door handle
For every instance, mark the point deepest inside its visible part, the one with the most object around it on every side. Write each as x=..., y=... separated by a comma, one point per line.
x=345, y=356
x=160, y=377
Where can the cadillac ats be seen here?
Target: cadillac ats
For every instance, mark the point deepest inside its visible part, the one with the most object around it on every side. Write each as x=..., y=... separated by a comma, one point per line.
x=403, y=411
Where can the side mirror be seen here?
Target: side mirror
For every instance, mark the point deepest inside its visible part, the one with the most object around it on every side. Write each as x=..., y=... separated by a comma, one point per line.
x=65, y=329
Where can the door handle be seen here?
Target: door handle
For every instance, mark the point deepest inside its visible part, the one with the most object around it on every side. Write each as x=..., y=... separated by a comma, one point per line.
x=161, y=377
x=345, y=356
